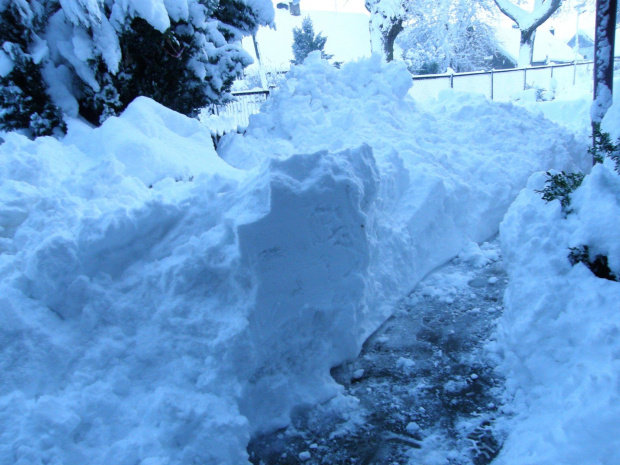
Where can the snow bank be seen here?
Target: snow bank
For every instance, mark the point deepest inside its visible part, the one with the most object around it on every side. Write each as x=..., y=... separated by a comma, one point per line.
x=559, y=336
x=117, y=299
x=160, y=303
x=447, y=174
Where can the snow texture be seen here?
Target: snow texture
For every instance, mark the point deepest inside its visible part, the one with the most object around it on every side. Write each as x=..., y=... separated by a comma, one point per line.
x=84, y=30
x=559, y=337
x=160, y=303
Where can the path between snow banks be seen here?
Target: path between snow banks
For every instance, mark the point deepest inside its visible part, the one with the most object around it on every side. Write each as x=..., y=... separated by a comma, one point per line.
x=162, y=303
x=423, y=390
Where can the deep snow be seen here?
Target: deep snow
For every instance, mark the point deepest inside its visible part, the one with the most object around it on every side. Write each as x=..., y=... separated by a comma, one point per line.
x=559, y=337
x=161, y=303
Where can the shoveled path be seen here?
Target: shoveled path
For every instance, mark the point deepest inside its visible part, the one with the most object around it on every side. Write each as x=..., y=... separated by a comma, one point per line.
x=422, y=391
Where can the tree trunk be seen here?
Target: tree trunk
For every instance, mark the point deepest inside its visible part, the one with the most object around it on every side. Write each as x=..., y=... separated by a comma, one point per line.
x=603, y=63
x=389, y=38
x=603, y=58
x=526, y=48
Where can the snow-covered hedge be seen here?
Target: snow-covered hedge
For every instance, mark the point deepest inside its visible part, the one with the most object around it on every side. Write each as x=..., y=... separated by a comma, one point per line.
x=159, y=303
x=560, y=334
x=95, y=57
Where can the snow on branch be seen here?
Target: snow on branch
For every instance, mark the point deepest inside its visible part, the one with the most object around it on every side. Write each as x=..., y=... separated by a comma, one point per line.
x=526, y=20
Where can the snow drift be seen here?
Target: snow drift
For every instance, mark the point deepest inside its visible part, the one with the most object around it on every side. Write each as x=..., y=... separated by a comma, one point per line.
x=560, y=334
x=160, y=303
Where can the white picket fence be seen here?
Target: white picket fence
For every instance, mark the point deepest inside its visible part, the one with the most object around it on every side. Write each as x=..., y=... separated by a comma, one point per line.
x=497, y=85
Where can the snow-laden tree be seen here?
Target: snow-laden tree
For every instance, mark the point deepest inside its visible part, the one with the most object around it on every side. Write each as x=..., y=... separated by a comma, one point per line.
x=437, y=33
x=528, y=22
x=24, y=101
x=305, y=41
x=96, y=56
x=386, y=22
x=447, y=33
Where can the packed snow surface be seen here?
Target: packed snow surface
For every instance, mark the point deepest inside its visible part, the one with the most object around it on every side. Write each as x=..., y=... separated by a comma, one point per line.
x=559, y=337
x=160, y=302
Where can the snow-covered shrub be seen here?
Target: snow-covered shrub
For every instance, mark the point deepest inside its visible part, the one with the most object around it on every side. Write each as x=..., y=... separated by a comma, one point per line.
x=96, y=57
x=559, y=186
x=603, y=147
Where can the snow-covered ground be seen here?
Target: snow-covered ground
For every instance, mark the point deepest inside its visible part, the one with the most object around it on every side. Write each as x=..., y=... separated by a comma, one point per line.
x=161, y=301
x=559, y=337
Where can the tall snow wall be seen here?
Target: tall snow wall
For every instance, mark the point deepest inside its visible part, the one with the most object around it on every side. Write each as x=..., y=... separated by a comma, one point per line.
x=558, y=340
x=161, y=302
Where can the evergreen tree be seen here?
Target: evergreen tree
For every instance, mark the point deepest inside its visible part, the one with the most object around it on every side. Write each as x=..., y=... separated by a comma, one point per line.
x=98, y=56
x=304, y=42
x=186, y=66
x=24, y=102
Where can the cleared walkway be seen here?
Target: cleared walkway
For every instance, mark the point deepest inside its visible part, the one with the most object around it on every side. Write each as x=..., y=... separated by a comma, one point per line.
x=422, y=391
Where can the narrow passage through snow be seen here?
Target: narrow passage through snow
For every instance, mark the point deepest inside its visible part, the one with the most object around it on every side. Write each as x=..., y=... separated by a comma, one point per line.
x=422, y=391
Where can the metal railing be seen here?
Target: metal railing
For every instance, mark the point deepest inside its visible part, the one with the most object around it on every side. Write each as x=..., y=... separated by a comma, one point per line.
x=503, y=84
x=245, y=103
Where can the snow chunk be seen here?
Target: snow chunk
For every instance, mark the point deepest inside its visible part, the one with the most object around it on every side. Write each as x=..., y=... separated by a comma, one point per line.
x=405, y=364
x=412, y=427
x=473, y=254
x=143, y=138
x=310, y=254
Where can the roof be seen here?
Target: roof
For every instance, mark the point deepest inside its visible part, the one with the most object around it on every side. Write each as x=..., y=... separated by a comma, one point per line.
x=547, y=47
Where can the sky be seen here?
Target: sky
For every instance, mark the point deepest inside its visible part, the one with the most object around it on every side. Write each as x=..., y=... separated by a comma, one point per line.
x=350, y=6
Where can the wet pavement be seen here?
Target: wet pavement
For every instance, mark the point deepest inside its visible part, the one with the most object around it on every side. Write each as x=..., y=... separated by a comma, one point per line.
x=423, y=389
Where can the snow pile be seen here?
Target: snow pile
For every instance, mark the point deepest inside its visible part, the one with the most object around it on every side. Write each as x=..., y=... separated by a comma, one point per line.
x=159, y=303
x=118, y=300
x=560, y=333
x=446, y=176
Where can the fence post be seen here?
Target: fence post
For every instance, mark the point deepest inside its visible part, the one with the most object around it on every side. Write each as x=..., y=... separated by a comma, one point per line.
x=551, y=71
x=524, y=78
x=492, y=83
x=574, y=72
x=452, y=81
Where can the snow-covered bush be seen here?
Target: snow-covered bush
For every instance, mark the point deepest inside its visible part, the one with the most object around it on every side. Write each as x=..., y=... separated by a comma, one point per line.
x=603, y=147
x=559, y=186
x=96, y=57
